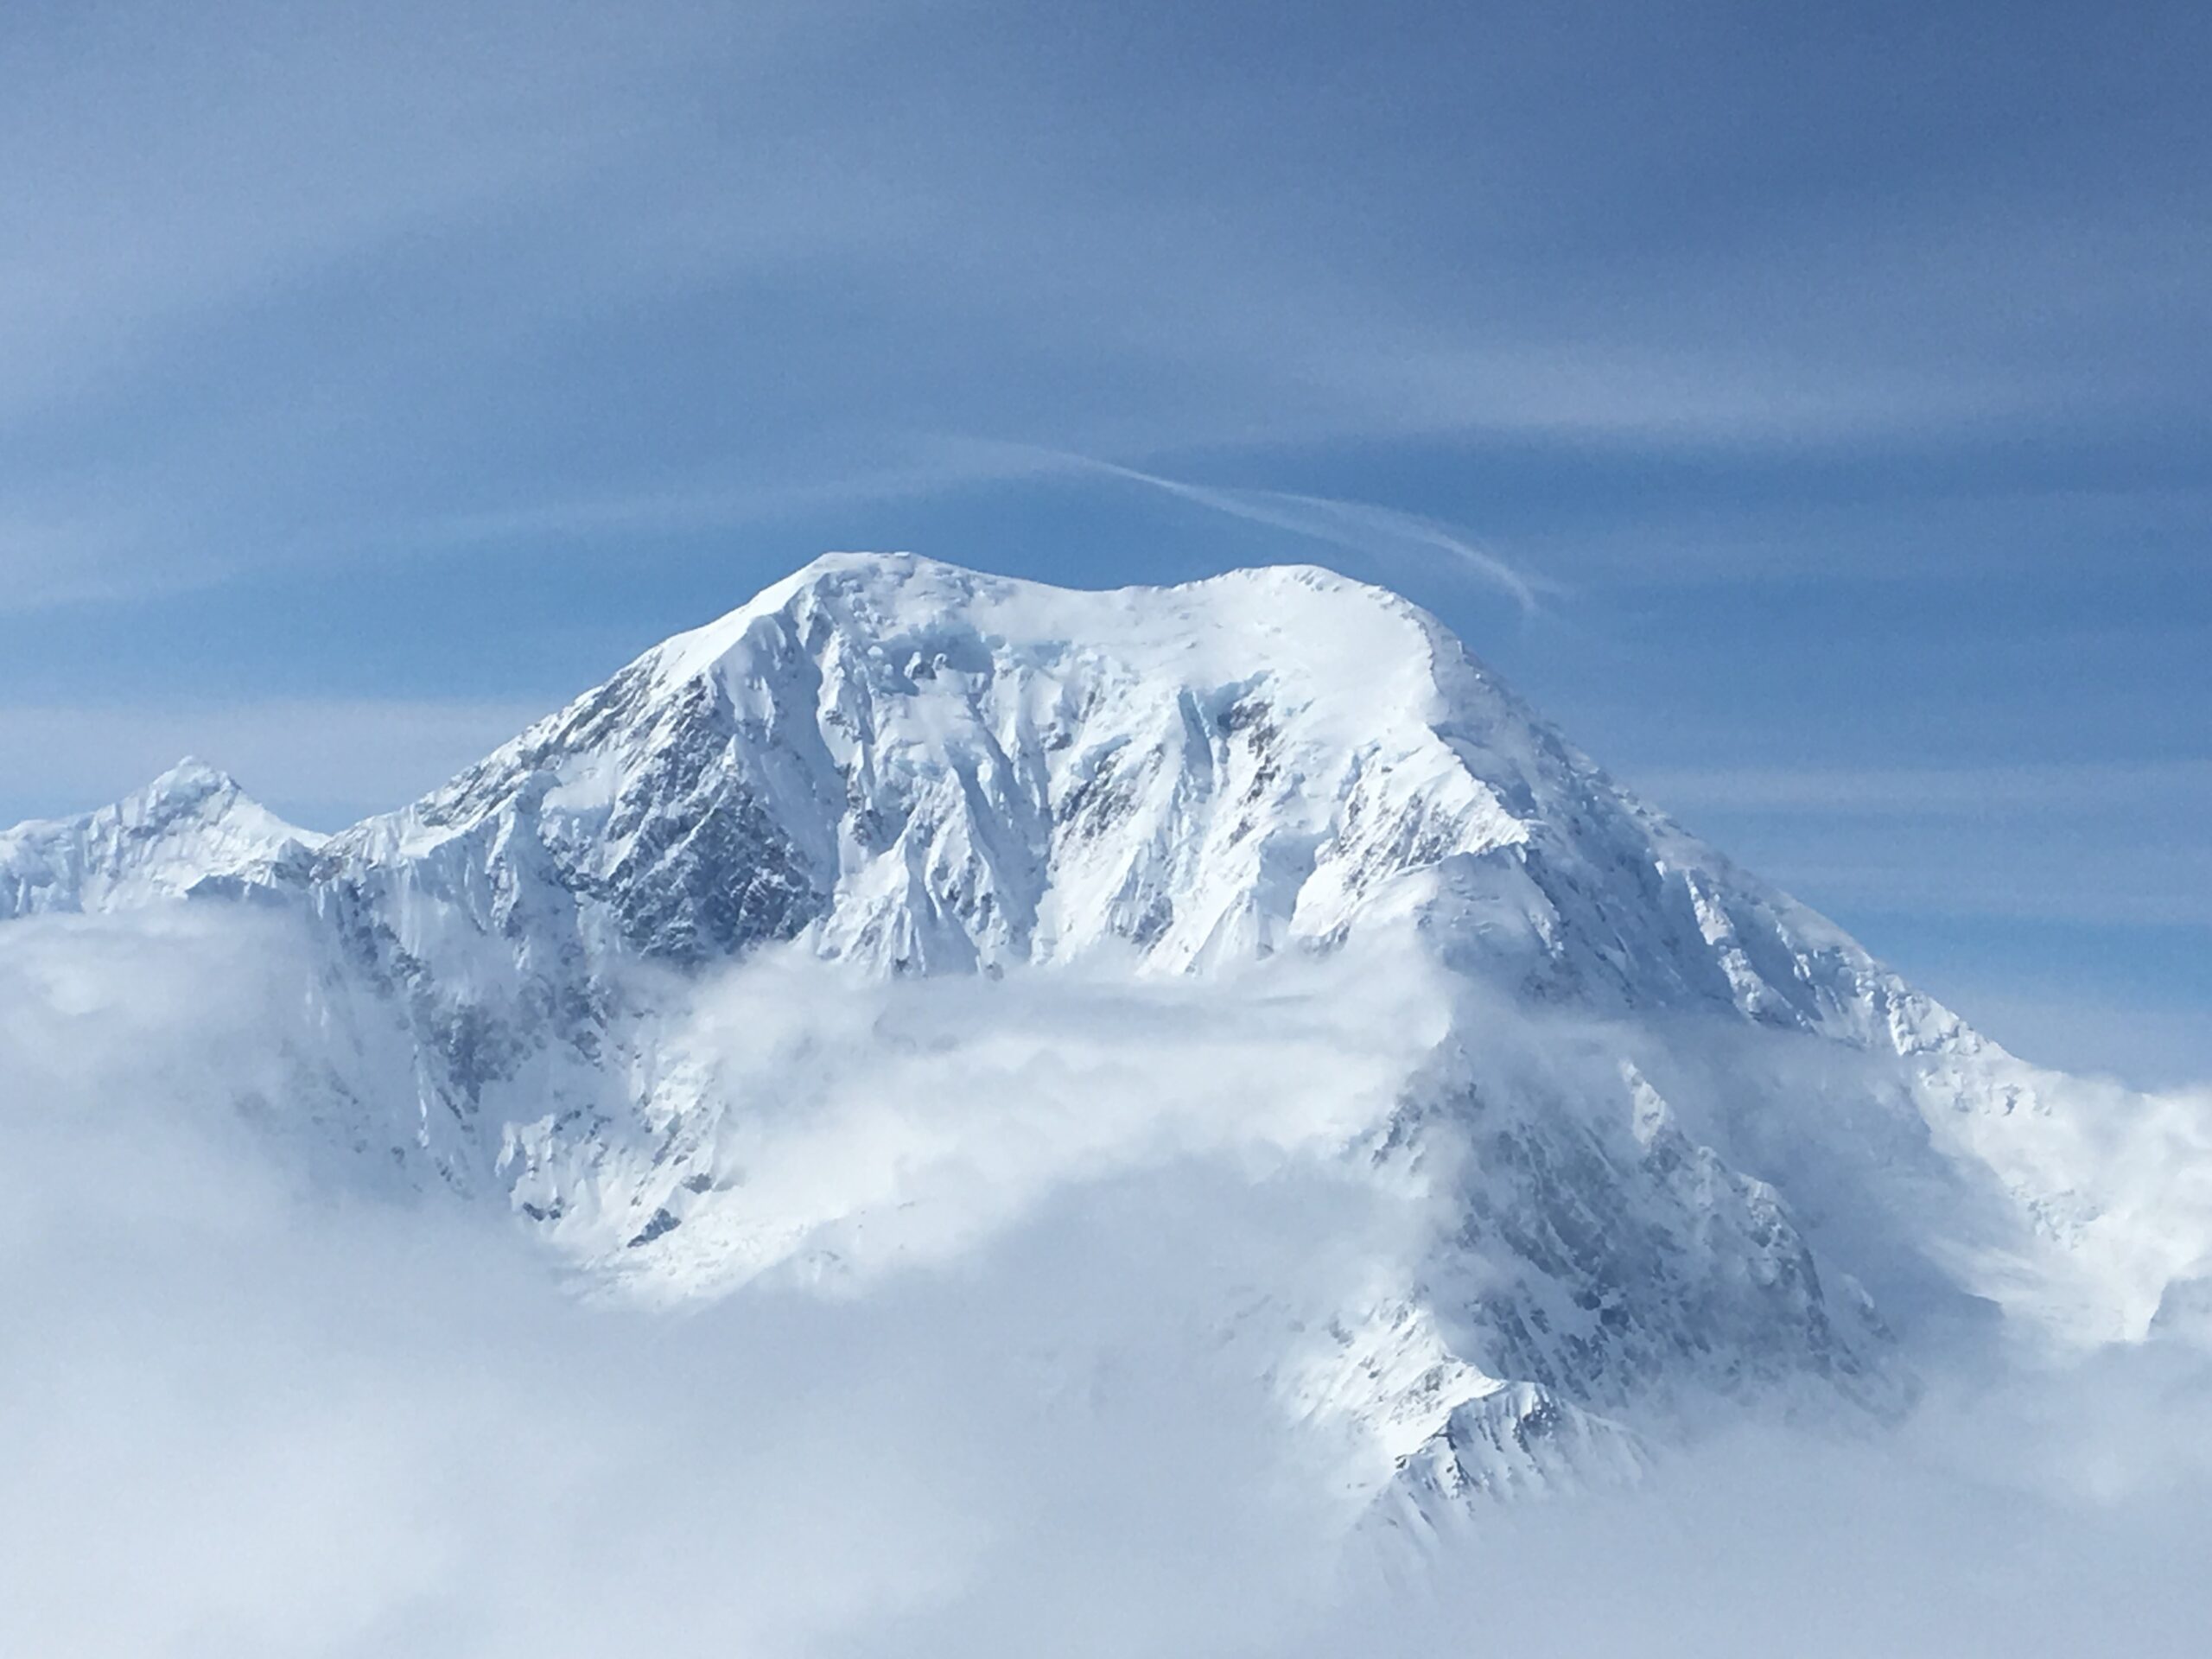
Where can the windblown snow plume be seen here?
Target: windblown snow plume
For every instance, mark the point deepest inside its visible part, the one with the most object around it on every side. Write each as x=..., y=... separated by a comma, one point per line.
x=940, y=1115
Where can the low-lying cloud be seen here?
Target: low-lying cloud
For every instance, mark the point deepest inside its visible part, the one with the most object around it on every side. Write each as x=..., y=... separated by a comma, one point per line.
x=245, y=1415
x=864, y=1129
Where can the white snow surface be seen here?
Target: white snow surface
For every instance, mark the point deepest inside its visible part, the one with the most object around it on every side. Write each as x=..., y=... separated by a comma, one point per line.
x=767, y=957
x=192, y=825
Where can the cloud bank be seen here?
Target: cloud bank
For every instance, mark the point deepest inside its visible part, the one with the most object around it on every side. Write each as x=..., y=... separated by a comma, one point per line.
x=251, y=1415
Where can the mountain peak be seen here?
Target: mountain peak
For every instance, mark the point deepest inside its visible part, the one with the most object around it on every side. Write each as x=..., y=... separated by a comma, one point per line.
x=1348, y=641
x=908, y=769
x=190, y=826
x=189, y=782
x=923, y=767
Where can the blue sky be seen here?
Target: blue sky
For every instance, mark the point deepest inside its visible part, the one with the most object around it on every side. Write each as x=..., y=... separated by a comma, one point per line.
x=1840, y=380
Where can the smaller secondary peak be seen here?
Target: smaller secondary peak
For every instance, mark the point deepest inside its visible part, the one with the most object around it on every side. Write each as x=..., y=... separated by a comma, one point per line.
x=194, y=791
x=191, y=788
x=189, y=827
x=191, y=778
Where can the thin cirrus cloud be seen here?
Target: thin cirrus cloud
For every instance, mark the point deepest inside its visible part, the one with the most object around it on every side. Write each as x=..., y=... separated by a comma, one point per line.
x=2098, y=844
x=1386, y=536
x=861, y=221
x=1949, y=791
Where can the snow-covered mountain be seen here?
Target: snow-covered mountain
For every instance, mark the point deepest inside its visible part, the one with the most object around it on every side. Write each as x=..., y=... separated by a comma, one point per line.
x=192, y=828
x=1672, y=1136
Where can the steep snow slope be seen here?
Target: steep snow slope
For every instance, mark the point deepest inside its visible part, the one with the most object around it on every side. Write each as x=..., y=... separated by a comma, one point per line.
x=1657, y=1120
x=925, y=769
x=191, y=827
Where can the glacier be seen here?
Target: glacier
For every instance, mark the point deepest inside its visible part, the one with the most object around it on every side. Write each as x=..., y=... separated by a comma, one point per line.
x=1665, y=1145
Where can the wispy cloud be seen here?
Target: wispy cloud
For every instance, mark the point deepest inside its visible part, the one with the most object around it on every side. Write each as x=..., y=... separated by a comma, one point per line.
x=271, y=1424
x=1946, y=790
x=1999, y=876
x=2044, y=851
x=788, y=491
x=620, y=250
x=1386, y=535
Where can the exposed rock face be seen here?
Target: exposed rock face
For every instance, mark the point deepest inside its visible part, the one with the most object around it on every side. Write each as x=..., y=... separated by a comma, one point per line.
x=908, y=769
